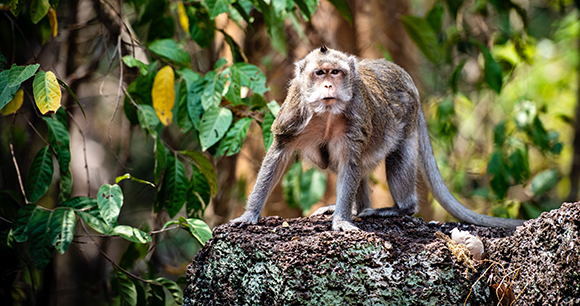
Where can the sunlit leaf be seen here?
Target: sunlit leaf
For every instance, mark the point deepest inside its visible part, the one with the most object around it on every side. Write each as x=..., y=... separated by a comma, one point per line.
x=213, y=126
x=267, y=130
x=170, y=50
x=39, y=175
x=38, y=9
x=129, y=176
x=212, y=91
x=274, y=107
x=14, y=105
x=95, y=221
x=131, y=62
x=544, y=181
x=148, y=119
x=183, y=19
x=197, y=229
x=127, y=290
x=232, y=142
x=110, y=200
x=274, y=26
x=217, y=7
x=46, y=92
x=205, y=166
x=175, y=183
x=19, y=74
x=53, y=22
x=21, y=225
x=131, y=234
x=6, y=92
x=249, y=75
x=62, y=228
x=163, y=94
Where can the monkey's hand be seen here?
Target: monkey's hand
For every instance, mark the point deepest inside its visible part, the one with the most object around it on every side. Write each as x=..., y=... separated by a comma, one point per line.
x=247, y=217
x=326, y=210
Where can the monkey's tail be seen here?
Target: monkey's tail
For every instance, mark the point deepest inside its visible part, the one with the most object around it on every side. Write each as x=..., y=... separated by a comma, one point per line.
x=440, y=191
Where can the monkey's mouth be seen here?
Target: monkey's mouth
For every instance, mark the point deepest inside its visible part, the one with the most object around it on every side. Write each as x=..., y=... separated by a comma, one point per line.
x=329, y=100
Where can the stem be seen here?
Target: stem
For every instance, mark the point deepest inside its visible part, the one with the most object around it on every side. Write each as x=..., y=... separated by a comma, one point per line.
x=16, y=163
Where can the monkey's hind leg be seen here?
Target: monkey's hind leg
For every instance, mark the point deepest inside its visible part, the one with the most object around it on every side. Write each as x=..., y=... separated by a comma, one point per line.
x=401, y=168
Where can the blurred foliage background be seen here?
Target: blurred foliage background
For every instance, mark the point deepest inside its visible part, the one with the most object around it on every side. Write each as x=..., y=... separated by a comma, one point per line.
x=498, y=82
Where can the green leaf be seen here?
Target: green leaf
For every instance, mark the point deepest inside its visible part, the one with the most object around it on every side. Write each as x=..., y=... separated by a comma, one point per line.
x=110, y=200
x=267, y=130
x=169, y=49
x=65, y=185
x=205, y=166
x=274, y=26
x=128, y=176
x=77, y=203
x=250, y=76
x=19, y=74
x=160, y=159
x=544, y=181
x=423, y=35
x=3, y=59
x=198, y=195
x=203, y=29
x=22, y=222
x=194, y=101
x=197, y=229
x=131, y=234
x=39, y=242
x=59, y=140
x=62, y=228
x=343, y=8
x=38, y=9
x=6, y=92
x=217, y=7
x=94, y=220
x=148, y=120
x=72, y=94
x=312, y=188
x=183, y=120
x=157, y=295
x=492, y=70
x=127, y=290
x=131, y=62
x=212, y=91
x=307, y=7
x=291, y=185
x=454, y=80
x=214, y=125
x=173, y=289
x=235, y=138
x=175, y=183
x=40, y=175
x=274, y=107
x=435, y=16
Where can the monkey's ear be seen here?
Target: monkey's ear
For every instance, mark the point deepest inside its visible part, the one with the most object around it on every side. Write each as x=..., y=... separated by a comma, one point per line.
x=299, y=67
x=352, y=65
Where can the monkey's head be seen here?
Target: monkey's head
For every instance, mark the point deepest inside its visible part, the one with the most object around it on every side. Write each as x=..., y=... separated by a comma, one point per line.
x=326, y=79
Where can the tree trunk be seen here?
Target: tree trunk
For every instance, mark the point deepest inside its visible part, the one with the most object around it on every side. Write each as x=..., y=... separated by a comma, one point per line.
x=391, y=261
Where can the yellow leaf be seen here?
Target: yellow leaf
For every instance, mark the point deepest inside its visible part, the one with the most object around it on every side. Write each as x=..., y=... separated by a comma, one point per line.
x=53, y=22
x=14, y=104
x=46, y=92
x=163, y=94
x=183, y=20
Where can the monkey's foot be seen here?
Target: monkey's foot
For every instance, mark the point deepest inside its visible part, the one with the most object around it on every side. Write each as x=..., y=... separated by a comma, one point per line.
x=247, y=217
x=326, y=210
x=343, y=226
x=384, y=212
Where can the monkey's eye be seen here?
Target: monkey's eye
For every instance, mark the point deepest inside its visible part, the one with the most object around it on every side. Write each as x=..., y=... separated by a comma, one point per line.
x=320, y=72
x=334, y=71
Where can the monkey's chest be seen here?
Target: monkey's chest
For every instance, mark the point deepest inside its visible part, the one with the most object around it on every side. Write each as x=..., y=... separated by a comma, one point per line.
x=324, y=141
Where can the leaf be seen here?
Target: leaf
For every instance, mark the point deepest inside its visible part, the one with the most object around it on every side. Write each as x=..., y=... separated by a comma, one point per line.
x=59, y=140
x=14, y=105
x=95, y=221
x=62, y=228
x=423, y=35
x=148, y=120
x=6, y=92
x=110, y=200
x=132, y=62
x=217, y=7
x=544, y=181
x=21, y=225
x=235, y=138
x=78, y=203
x=127, y=289
x=183, y=120
x=183, y=19
x=65, y=185
x=454, y=80
x=194, y=102
x=343, y=8
x=163, y=94
x=156, y=295
x=131, y=234
x=206, y=167
x=274, y=107
x=251, y=76
x=40, y=175
x=160, y=159
x=291, y=185
x=202, y=31
x=175, y=183
x=19, y=74
x=307, y=7
x=492, y=70
x=63, y=84
x=53, y=21
x=169, y=49
x=128, y=176
x=274, y=26
x=173, y=289
x=199, y=230
x=212, y=91
x=38, y=9
x=46, y=92
x=435, y=16
x=214, y=124
x=267, y=130
x=39, y=242
x=312, y=188
x=198, y=194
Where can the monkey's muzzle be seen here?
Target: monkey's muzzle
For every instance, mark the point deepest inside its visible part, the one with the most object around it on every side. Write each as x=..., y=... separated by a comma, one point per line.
x=329, y=101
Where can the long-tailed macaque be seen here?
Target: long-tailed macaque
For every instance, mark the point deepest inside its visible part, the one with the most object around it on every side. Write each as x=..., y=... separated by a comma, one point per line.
x=347, y=115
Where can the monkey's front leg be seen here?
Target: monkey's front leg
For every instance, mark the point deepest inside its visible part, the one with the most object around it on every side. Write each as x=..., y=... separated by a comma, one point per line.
x=348, y=180
x=272, y=169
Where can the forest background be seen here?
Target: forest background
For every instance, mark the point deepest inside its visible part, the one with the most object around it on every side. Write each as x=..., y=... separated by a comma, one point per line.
x=126, y=123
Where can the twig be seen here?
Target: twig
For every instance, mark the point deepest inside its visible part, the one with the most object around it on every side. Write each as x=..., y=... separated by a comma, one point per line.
x=5, y=220
x=84, y=151
x=14, y=161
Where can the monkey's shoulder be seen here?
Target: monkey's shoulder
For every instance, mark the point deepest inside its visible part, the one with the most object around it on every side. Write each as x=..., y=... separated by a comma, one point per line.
x=380, y=67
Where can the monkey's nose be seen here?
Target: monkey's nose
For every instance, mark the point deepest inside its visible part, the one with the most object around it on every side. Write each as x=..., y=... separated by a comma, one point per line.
x=329, y=86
